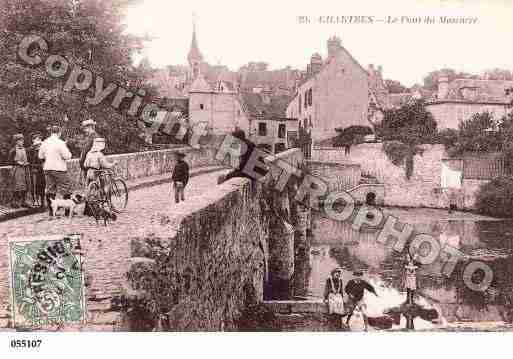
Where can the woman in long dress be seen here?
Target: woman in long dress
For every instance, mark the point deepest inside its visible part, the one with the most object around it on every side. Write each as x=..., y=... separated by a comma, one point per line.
x=333, y=296
x=410, y=280
x=21, y=174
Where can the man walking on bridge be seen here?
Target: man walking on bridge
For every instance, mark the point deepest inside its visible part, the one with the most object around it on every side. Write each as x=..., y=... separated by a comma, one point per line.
x=180, y=177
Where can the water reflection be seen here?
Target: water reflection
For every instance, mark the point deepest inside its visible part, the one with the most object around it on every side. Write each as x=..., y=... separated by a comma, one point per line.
x=336, y=244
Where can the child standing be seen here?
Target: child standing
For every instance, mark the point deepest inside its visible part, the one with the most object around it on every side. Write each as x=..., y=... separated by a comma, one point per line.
x=180, y=177
x=410, y=280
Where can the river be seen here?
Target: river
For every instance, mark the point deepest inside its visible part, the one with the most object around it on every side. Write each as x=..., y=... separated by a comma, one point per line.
x=335, y=244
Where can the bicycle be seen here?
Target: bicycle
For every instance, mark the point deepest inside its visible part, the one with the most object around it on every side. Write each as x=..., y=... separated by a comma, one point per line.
x=109, y=188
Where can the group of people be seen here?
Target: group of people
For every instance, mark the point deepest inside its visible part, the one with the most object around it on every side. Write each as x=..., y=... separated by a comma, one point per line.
x=42, y=168
x=340, y=306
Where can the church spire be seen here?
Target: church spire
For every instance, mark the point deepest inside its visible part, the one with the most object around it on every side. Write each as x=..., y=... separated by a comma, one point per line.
x=194, y=52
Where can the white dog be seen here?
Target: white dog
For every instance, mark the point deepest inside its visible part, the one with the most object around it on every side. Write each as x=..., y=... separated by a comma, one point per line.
x=72, y=204
x=357, y=322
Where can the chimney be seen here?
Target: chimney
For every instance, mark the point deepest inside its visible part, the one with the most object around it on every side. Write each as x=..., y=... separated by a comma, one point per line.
x=443, y=86
x=333, y=46
x=315, y=63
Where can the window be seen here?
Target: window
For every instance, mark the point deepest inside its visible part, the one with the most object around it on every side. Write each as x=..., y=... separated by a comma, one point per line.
x=310, y=100
x=262, y=129
x=306, y=99
x=281, y=130
x=201, y=106
x=300, y=104
x=279, y=147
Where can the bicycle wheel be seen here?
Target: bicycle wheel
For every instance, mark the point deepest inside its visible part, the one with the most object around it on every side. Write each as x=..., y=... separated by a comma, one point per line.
x=118, y=194
x=94, y=192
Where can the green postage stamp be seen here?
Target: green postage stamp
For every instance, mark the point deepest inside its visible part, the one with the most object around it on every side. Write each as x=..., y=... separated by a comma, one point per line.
x=47, y=281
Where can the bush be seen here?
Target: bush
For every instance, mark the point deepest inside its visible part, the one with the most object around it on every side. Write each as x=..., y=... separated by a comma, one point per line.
x=351, y=135
x=496, y=198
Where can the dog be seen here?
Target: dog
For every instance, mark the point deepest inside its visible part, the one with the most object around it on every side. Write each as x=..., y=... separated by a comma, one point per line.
x=70, y=205
x=357, y=321
x=100, y=211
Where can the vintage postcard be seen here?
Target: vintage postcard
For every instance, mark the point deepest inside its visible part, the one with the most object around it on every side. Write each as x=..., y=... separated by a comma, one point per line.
x=256, y=166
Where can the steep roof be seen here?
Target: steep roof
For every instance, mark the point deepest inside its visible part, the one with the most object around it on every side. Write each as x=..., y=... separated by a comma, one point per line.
x=254, y=104
x=214, y=74
x=200, y=85
x=272, y=78
x=307, y=76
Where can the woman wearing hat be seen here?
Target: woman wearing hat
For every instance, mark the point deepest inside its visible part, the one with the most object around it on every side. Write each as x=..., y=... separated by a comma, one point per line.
x=36, y=168
x=95, y=160
x=21, y=175
x=88, y=126
x=333, y=296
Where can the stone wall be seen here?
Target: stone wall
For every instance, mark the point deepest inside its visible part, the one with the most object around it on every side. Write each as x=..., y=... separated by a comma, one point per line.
x=131, y=166
x=196, y=272
x=338, y=176
x=363, y=192
x=205, y=262
x=421, y=190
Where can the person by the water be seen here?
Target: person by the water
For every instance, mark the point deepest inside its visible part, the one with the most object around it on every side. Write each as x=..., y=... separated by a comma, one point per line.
x=355, y=289
x=333, y=295
x=410, y=280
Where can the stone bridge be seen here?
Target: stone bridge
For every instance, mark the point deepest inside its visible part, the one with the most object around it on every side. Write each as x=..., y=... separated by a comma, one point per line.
x=189, y=266
x=107, y=249
x=196, y=262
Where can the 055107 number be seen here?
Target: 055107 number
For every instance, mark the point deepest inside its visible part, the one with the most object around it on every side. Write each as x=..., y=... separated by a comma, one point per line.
x=26, y=343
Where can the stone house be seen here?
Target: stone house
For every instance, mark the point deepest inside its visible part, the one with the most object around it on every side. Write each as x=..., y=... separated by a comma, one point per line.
x=333, y=94
x=459, y=99
x=269, y=128
x=219, y=105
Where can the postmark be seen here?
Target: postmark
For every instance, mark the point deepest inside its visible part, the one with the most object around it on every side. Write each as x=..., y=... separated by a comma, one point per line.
x=47, y=281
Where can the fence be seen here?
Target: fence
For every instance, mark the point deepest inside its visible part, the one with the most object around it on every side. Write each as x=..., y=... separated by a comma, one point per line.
x=482, y=168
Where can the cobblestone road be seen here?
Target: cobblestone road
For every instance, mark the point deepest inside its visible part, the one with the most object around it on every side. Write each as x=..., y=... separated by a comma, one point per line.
x=106, y=248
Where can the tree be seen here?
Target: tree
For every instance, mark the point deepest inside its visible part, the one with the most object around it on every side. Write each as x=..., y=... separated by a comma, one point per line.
x=351, y=135
x=478, y=134
x=431, y=80
x=403, y=130
x=394, y=86
x=498, y=74
x=89, y=34
x=255, y=66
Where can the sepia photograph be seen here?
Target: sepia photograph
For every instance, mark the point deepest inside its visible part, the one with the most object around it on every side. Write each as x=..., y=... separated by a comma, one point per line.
x=259, y=167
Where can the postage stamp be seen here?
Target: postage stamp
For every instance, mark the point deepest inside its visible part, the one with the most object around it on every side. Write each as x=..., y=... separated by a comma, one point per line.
x=47, y=281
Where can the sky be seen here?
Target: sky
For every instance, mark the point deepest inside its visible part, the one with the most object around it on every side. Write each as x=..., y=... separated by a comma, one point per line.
x=233, y=33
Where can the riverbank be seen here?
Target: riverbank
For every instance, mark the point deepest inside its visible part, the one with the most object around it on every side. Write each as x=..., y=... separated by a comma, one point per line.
x=419, y=215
